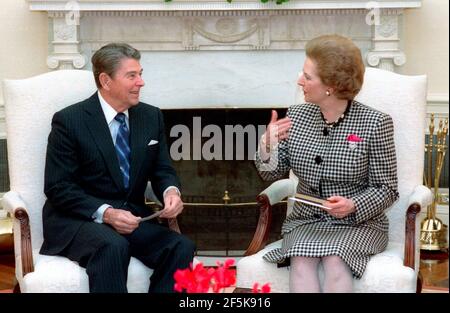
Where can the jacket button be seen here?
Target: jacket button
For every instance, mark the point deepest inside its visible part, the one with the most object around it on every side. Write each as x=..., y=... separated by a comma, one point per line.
x=318, y=159
x=317, y=215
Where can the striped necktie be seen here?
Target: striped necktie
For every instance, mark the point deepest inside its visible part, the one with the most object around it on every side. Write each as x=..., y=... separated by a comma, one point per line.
x=123, y=148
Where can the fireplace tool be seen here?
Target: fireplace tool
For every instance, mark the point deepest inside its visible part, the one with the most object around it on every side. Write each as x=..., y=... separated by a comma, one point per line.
x=433, y=234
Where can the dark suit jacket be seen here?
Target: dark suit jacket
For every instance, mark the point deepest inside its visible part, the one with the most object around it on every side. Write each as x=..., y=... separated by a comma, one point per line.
x=82, y=170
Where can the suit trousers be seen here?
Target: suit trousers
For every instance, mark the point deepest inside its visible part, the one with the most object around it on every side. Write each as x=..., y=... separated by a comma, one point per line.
x=106, y=255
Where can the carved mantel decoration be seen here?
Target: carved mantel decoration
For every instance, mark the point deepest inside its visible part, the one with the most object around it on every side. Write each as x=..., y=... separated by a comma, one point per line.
x=80, y=27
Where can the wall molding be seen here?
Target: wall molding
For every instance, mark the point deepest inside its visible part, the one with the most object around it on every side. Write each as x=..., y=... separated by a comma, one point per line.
x=438, y=103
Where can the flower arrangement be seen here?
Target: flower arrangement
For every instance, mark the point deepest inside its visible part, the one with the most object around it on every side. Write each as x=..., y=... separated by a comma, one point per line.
x=200, y=279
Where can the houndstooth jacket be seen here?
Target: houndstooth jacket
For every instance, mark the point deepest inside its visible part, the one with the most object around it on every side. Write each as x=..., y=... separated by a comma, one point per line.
x=328, y=164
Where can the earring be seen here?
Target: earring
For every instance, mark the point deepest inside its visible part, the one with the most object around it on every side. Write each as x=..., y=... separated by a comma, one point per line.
x=328, y=93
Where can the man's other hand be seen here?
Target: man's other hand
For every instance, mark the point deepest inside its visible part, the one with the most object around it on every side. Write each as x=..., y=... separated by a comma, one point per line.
x=122, y=221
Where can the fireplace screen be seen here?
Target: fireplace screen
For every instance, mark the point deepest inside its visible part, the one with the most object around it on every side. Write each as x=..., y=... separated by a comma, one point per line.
x=227, y=229
x=224, y=229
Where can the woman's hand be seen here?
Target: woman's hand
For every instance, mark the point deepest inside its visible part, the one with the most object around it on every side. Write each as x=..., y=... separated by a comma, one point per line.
x=340, y=206
x=277, y=130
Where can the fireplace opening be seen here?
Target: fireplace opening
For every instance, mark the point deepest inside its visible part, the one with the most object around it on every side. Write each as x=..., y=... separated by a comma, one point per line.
x=220, y=182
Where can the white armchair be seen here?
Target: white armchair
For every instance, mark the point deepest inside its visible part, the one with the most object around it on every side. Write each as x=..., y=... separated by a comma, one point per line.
x=395, y=269
x=29, y=107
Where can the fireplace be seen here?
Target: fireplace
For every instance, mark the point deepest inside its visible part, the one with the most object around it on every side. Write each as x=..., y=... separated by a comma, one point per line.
x=213, y=152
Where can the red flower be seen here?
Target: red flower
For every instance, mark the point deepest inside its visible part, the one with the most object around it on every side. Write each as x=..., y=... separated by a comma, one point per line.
x=354, y=138
x=193, y=280
x=201, y=279
x=223, y=276
x=264, y=288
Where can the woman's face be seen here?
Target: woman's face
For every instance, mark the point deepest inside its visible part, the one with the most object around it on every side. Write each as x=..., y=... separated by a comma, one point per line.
x=313, y=88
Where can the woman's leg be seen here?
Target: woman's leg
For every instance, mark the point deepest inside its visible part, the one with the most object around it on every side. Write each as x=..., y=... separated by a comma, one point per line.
x=304, y=274
x=338, y=276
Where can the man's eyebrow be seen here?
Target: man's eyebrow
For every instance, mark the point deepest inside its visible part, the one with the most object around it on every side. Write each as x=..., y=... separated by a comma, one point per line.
x=134, y=72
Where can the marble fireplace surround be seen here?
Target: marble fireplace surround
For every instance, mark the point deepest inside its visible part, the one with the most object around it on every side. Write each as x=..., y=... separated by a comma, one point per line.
x=212, y=54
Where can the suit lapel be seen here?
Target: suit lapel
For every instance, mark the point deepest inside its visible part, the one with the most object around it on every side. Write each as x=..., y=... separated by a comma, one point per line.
x=137, y=142
x=99, y=129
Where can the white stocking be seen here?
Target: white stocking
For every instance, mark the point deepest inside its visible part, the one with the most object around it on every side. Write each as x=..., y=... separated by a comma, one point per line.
x=338, y=276
x=304, y=275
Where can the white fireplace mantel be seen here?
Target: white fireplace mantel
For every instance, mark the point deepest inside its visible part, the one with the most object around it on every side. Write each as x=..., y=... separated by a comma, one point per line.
x=233, y=54
x=199, y=5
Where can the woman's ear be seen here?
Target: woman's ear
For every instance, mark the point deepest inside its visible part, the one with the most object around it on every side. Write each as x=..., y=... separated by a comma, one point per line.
x=104, y=80
x=330, y=91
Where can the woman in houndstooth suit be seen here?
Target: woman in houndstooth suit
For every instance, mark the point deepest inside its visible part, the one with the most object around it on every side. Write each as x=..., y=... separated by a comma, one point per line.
x=342, y=151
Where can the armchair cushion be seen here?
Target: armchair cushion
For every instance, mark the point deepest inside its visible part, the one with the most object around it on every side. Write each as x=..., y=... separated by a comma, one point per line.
x=55, y=274
x=385, y=272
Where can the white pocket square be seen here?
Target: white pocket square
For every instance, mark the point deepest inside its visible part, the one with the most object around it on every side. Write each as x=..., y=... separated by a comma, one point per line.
x=152, y=142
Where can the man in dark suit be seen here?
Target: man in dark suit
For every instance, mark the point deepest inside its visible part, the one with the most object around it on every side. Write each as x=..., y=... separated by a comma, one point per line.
x=101, y=153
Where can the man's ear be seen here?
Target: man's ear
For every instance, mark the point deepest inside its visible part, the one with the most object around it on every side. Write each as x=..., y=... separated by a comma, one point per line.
x=104, y=80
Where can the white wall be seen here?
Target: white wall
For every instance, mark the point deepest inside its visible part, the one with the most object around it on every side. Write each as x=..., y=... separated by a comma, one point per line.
x=23, y=48
x=426, y=47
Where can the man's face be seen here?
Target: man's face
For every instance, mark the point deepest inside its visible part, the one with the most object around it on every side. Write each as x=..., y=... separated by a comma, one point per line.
x=126, y=83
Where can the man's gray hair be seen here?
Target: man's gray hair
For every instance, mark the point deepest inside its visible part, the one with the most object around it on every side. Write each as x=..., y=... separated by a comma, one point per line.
x=107, y=59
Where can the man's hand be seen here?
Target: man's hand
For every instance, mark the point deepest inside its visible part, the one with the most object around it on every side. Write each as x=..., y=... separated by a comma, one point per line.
x=340, y=206
x=122, y=221
x=172, y=204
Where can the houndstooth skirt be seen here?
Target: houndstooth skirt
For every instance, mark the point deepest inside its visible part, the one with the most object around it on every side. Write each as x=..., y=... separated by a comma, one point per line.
x=354, y=244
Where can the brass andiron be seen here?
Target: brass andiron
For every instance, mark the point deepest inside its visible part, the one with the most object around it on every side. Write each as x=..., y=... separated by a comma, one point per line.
x=226, y=198
x=433, y=234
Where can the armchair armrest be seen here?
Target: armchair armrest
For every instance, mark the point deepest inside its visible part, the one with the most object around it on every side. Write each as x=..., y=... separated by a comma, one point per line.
x=279, y=190
x=12, y=201
x=15, y=205
x=421, y=197
x=268, y=197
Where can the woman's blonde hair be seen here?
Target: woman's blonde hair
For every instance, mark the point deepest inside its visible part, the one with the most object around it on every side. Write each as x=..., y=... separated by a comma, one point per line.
x=339, y=64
